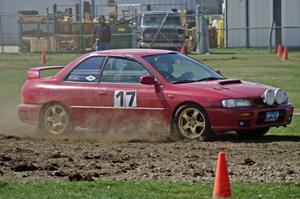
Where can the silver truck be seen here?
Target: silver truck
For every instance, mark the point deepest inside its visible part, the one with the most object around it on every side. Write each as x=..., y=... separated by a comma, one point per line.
x=160, y=29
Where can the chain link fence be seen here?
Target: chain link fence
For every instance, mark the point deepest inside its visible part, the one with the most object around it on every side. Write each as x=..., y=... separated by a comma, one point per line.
x=63, y=33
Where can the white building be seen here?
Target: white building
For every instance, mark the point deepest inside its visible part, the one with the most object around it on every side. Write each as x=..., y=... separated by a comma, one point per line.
x=258, y=16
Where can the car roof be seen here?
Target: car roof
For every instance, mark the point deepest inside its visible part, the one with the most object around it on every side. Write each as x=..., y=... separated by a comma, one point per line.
x=131, y=52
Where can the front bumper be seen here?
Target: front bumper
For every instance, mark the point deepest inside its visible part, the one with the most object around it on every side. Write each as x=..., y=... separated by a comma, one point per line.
x=231, y=119
x=29, y=113
x=161, y=45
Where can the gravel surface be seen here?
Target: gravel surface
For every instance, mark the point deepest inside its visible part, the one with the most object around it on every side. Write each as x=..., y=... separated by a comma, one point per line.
x=273, y=158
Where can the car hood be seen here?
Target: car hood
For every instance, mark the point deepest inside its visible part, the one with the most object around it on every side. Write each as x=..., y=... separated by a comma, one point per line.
x=226, y=88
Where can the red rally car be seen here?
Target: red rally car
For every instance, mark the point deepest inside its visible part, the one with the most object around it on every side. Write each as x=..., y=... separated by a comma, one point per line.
x=133, y=86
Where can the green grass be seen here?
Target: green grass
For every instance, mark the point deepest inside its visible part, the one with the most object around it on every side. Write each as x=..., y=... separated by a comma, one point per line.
x=258, y=66
x=144, y=189
x=292, y=130
x=13, y=72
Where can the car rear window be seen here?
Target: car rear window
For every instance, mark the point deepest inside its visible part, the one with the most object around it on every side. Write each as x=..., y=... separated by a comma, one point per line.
x=87, y=71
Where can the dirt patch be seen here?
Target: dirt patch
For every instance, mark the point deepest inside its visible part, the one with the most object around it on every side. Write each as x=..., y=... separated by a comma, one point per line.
x=274, y=158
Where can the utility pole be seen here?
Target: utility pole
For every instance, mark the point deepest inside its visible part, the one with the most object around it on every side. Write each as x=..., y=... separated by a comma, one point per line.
x=1, y=35
x=93, y=9
x=134, y=29
x=277, y=20
x=202, y=30
x=48, y=32
x=247, y=25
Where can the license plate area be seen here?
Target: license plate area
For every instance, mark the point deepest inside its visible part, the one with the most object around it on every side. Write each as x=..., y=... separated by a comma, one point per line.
x=272, y=116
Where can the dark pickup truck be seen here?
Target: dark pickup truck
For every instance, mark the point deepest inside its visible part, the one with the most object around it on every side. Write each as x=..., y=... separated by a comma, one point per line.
x=160, y=29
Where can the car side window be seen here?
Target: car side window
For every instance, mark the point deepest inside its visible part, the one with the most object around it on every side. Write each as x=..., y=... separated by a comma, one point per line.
x=87, y=71
x=121, y=70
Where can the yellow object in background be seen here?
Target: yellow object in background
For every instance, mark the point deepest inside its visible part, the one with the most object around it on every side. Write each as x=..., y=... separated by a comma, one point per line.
x=183, y=15
x=121, y=29
x=221, y=34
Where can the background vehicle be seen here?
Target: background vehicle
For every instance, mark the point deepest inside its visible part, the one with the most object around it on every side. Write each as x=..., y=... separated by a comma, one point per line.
x=161, y=29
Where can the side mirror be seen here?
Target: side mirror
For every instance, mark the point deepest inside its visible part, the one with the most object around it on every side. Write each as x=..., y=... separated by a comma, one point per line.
x=148, y=80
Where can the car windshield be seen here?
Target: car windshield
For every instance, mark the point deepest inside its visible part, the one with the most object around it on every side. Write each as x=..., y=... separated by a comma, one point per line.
x=177, y=68
x=157, y=20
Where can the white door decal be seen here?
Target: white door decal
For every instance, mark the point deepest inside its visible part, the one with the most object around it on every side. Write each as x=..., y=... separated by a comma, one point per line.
x=124, y=98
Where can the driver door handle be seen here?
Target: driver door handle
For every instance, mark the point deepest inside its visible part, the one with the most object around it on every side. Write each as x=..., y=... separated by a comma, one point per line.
x=101, y=92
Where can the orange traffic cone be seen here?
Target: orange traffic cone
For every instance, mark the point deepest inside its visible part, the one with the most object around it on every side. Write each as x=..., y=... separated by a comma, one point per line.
x=183, y=51
x=222, y=184
x=285, y=54
x=279, y=51
x=43, y=58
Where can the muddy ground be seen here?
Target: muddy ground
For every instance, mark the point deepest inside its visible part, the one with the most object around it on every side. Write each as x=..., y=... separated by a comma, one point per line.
x=274, y=158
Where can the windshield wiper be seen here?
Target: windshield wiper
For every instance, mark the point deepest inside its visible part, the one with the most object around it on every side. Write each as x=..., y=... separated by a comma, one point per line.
x=199, y=80
x=184, y=81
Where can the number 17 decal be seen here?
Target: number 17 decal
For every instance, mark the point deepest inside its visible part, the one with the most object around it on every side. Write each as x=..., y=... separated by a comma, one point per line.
x=124, y=98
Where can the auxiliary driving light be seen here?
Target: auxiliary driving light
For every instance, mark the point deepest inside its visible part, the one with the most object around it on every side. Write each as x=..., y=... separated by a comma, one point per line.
x=269, y=96
x=244, y=123
x=281, y=96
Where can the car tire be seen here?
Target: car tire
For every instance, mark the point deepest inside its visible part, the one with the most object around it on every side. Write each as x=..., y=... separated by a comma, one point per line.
x=191, y=122
x=253, y=133
x=55, y=119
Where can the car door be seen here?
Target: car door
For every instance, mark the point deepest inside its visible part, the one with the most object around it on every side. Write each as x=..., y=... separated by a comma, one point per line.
x=78, y=87
x=122, y=101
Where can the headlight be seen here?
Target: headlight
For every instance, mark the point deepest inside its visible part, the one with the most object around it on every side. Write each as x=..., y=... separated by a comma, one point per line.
x=269, y=96
x=281, y=96
x=147, y=36
x=235, y=103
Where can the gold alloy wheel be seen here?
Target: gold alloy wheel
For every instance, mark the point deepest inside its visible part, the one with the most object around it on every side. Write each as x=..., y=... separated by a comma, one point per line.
x=56, y=119
x=192, y=123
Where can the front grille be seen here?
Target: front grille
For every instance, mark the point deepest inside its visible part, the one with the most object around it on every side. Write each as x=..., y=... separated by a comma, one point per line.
x=164, y=35
x=258, y=102
x=262, y=115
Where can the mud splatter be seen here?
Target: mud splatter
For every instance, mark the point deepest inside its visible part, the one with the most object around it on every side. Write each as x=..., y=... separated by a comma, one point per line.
x=274, y=158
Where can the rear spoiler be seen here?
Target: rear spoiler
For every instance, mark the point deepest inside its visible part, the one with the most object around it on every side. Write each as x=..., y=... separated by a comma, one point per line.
x=34, y=73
